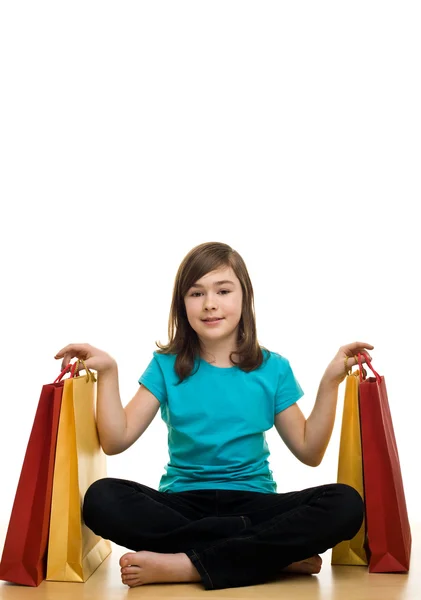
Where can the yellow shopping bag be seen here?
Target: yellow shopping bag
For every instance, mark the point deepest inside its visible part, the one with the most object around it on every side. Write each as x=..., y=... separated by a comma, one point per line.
x=74, y=551
x=350, y=471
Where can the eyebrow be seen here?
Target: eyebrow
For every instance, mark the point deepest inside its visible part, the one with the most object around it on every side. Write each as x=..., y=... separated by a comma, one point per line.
x=198, y=285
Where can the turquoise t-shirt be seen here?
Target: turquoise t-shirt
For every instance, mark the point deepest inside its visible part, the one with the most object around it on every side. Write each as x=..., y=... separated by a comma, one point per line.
x=216, y=420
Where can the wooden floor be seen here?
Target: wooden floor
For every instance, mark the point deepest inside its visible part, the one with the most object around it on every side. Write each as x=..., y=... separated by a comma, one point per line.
x=332, y=583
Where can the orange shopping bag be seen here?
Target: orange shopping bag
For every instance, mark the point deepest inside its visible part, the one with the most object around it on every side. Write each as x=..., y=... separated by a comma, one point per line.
x=74, y=551
x=350, y=471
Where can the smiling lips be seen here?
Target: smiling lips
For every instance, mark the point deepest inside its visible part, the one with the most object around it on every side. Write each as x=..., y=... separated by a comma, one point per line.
x=212, y=320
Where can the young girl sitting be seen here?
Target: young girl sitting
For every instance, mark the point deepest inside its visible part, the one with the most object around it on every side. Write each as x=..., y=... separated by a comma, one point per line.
x=216, y=516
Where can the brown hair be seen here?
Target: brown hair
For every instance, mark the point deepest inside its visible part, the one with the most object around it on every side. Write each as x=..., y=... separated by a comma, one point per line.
x=183, y=340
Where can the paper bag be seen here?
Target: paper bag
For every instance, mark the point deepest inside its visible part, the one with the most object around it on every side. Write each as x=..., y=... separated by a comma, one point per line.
x=350, y=471
x=74, y=551
x=24, y=553
x=388, y=529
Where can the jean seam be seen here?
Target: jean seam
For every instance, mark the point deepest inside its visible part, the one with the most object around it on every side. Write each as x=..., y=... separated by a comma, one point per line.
x=197, y=559
x=244, y=539
x=180, y=507
x=322, y=493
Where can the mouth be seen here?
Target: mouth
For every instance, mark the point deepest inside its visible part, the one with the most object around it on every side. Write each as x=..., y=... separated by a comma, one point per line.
x=212, y=320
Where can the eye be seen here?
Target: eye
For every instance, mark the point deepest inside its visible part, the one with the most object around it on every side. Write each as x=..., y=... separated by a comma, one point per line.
x=223, y=292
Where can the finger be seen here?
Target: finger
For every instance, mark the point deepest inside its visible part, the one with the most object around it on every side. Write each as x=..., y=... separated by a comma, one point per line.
x=353, y=360
x=74, y=349
x=66, y=360
x=356, y=347
x=63, y=351
x=78, y=368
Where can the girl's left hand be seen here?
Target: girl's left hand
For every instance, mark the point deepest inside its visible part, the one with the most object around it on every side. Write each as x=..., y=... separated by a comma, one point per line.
x=336, y=372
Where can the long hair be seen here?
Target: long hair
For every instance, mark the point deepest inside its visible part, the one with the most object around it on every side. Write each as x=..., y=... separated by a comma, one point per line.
x=183, y=340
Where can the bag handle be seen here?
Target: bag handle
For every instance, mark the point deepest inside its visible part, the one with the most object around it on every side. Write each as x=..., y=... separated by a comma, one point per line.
x=73, y=368
x=89, y=373
x=63, y=373
x=368, y=363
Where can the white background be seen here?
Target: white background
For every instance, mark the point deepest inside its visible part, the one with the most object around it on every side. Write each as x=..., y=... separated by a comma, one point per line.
x=131, y=132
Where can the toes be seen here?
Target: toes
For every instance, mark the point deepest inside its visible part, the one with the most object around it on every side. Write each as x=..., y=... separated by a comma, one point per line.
x=131, y=581
x=131, y=571
x=126, y=578
x=125, y=559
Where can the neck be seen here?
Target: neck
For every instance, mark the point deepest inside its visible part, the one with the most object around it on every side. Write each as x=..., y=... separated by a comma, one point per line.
x=217, y=352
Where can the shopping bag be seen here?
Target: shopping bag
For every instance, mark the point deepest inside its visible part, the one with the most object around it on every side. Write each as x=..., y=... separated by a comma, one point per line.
x=350, y=471
x=24, y=553
x=74, y=551
x=388, y=529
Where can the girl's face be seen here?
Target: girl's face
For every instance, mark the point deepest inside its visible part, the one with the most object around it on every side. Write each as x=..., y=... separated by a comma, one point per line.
x=217, y=294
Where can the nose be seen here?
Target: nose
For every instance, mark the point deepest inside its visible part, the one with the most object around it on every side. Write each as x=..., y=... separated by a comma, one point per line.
x=210, y=302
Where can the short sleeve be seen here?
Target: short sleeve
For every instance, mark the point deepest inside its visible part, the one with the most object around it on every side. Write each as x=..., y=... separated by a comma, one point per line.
x=153, y=379
x=288, y=390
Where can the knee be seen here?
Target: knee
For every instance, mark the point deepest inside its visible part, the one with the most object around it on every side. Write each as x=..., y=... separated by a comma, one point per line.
x=351, y=510
x=95, y=503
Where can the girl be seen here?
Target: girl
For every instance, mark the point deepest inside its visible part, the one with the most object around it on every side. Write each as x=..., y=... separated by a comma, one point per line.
x=216, y=517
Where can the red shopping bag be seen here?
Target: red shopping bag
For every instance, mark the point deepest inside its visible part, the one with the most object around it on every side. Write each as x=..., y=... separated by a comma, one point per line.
x=25, y=549
x=388, y=529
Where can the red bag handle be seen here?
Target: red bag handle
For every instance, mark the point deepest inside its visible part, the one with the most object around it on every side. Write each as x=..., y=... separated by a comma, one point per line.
x=72, y=368
x=368, y=363
x=63, y=373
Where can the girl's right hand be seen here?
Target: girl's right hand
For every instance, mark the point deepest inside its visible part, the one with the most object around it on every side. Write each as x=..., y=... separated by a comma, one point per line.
x=94, y=358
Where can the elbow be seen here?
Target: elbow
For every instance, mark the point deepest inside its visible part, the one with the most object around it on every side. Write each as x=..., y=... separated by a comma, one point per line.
x=111, y=445
x=313, y=461
x=312, y=457
x=110, y=450
x=107, y=451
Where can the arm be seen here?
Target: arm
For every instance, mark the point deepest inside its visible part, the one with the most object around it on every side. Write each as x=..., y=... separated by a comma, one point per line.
x=308, y=438
x=119, y=427
x=110, y=416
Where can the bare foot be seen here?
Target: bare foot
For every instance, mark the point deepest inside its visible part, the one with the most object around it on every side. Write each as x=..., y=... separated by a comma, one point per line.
x=138, y=568
x=311, y=566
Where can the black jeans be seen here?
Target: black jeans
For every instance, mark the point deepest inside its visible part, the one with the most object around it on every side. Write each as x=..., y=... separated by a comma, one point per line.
x=233, y=538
